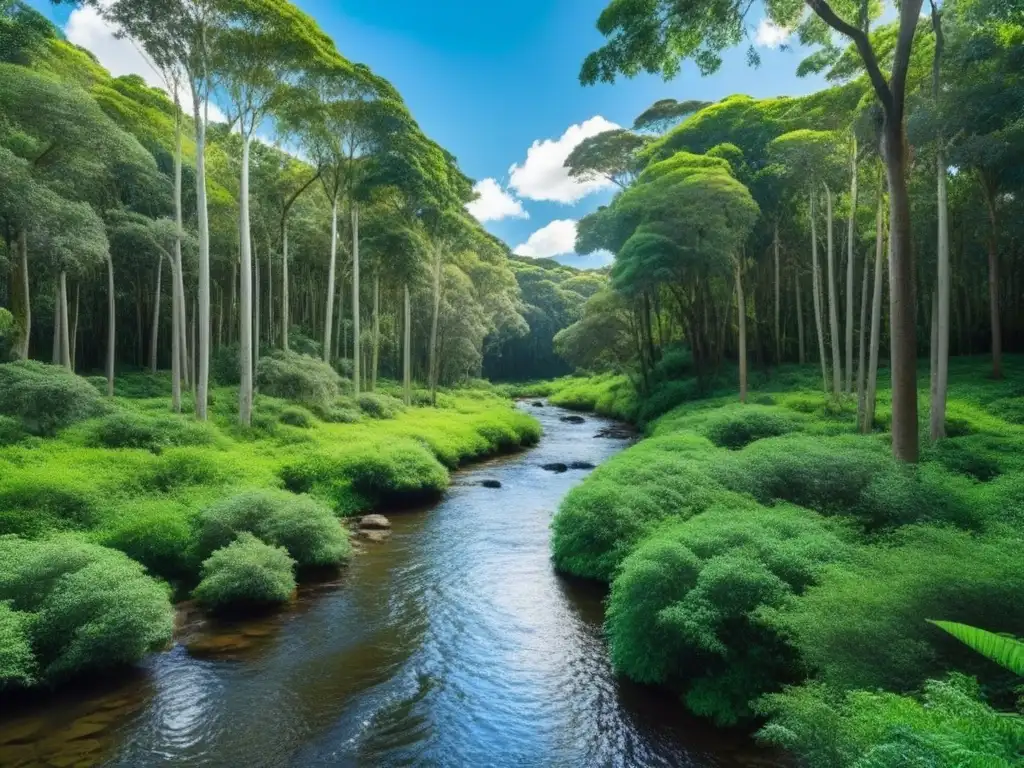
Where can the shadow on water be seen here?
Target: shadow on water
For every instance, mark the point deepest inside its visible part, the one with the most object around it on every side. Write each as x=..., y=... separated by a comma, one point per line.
x=452, y=642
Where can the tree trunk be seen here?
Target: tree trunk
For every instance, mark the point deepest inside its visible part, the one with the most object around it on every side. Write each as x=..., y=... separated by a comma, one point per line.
x=778, y=301
x=816, y=289
x=850, y=259
x=111, y=330
x=233, y=304
x=799, y=319
x=993, y=282
x=331, y=272
x=245, y=309
x=862, y=357
x=407, y=351
x=55, y=353
x=868, y=423
x=356, y=341
x=933, y=346
x=285, y=310
x=376, y=334
x=74, y=329
x=21, y=301
x=154, y=331
x=833, y=302
x=270, y=297
x=255, y=307
x=742, y=322
x=192, y=361
x=65, y=341
x=203, y=383
x=339, y=319
x=139, y=353
x=433, y=374
x=942, y=331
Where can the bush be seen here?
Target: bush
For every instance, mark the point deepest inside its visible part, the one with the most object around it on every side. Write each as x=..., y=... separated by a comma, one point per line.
x=294, y=416
x=226, y=365
x=685, y=607
x=949, y=725
x=181, y=467
x=126, y=429
x=17, y=662
x=11, y=431
x=36, y=502
x=380, y=406
x=246, y=574
x=156, y=534
x=344, y=410
x=864, y=625
x=737, y=427
x=301, y=343
x=310, y=534
x=300, y=378
x=46, y=398
x=90, y=608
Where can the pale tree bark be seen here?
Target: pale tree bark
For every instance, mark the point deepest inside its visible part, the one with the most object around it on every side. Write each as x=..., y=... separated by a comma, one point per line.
x=862, y=360
x=407, y=350
x=74, y=328
x=993, y=281
x=850, y=258
x=356, y=341
x=433, y=374
x=65, y=342
x=233, y=303
x=933, y=346
x=186, y=374
x=778, y=301
x=111, y=330
x=870, y=398
x=339, y=317
x=203, y=220
x=285, y=309
x=193, y=363
x=331, y=272
x=245, y=308
x=833, y=301
x=801, y=347
x=376, y=333
x=55, y=353
x=741, y=305
x=255, y=307
x=154, y=331
x=819, y=321
x=270, y=298
x=21, y=301
x=941, y=384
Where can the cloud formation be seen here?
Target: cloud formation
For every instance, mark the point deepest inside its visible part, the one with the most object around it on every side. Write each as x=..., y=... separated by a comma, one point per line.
x=771, y=35
x=543, y=175
x=556, y=239
x=494, y=203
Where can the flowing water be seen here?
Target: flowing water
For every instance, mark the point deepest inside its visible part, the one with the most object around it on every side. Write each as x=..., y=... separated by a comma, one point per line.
x=452, y=643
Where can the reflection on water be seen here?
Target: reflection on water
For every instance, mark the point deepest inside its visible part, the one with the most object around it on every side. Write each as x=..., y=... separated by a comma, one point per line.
x=451, y=643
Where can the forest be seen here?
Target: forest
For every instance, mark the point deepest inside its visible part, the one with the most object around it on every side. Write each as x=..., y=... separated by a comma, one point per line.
x=218, y=338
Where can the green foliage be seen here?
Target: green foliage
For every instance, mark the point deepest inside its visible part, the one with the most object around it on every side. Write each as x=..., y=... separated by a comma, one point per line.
x=737, y=426
x=34, y=502
x=180, y=468
x=378, y=406
x=126, y=429
x=17, y=662
x=305, y=528
x=46, y=398
x=246, y=574
x=949, y=724
x=90, y=608
x=299, y=378
x=1007, y=652
x=685, y=607
x=155, y=533
x=11, y=431
x=295, y=416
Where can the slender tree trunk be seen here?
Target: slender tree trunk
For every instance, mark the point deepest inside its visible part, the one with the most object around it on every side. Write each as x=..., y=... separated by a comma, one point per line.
x=433, y=374
x=833, y=302
x=270, y=296
x=255, y=307
x=21, y=301
x=193, y=363
x=233, y=303
x=331, y=272
x=801, y=347
x=154, y=331
x=338, y=330
x=993, y=283
x=816, y=286
x=111, y=330
x=778, y=300
x=65, y=341
x=375, y=362
x=55, y=353
x=407, y=350
x=941, y=384
x=245, y=310
x=203, y=383
x=850, y=259
x=933, y=346
x=139, y=353
x=285, y=309
x=862, y=359
x=870, y=398
x=74, y=329
x=356, y=341
x=742, y=323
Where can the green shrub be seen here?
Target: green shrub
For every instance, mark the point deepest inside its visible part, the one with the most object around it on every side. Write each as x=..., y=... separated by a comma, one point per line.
x=303, y=344
x=226, y=366
x=37, y=502
x=126, y=429
x=246, y=574
x=380, y=406
x=299, y=378
x=685, y=607
x=737, y=427
x=295, y=416
x=342, y=411
x=46, y=398
x=949, y=725
x=307, y=530
x=664, y=398
x=181, y=467
x=156, y=534
x=17, y=662
x=863, y=625
x=90, y=608
x=11, y=431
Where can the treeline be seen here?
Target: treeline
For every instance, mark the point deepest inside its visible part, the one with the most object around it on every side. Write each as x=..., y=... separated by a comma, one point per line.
x=767, y=230
x=137, y=232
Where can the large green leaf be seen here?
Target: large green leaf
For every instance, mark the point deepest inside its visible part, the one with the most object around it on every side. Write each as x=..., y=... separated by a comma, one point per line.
x=1004, y=651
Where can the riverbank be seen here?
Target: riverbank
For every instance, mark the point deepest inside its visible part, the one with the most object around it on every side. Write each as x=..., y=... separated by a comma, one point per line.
x=120, y=502
x=753, y=547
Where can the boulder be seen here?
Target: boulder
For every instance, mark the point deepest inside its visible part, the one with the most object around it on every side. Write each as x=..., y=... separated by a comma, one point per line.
x=556, y=466
x=538, y=404
x=574, y=420
x=375, y=523
x=375, y=536
x=491, y=483
x=616, y=433
x=581, y=465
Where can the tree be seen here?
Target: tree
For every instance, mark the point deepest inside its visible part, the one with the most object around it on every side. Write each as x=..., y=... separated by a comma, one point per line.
x=611, y=155
x=657, y=35
x=664, y=114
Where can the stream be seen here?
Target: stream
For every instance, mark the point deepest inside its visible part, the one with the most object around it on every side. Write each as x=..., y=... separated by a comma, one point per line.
x=452, y=643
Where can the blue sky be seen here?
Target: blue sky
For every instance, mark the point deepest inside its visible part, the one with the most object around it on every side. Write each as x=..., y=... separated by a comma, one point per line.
x=496, y=84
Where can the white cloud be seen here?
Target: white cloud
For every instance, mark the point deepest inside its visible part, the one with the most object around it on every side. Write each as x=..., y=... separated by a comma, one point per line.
x=543, y=176
x=494, y=203
x=556, y=239
x=87, y=28
x=771, y=35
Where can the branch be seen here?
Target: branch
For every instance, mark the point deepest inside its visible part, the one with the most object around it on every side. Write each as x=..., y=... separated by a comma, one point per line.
x=867, y=53
x=910, y=11
x=291, y=200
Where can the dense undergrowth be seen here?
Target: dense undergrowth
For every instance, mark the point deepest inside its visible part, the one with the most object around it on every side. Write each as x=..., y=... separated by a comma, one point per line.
x=109, y=508
x=770, y=564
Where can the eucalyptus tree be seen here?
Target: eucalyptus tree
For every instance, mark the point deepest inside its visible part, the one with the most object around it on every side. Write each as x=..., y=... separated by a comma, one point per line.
x=611, y=156
x=657, y=35
x=665, y=114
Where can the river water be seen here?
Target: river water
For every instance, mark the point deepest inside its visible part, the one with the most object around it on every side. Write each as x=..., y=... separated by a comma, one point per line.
x=452, y=643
